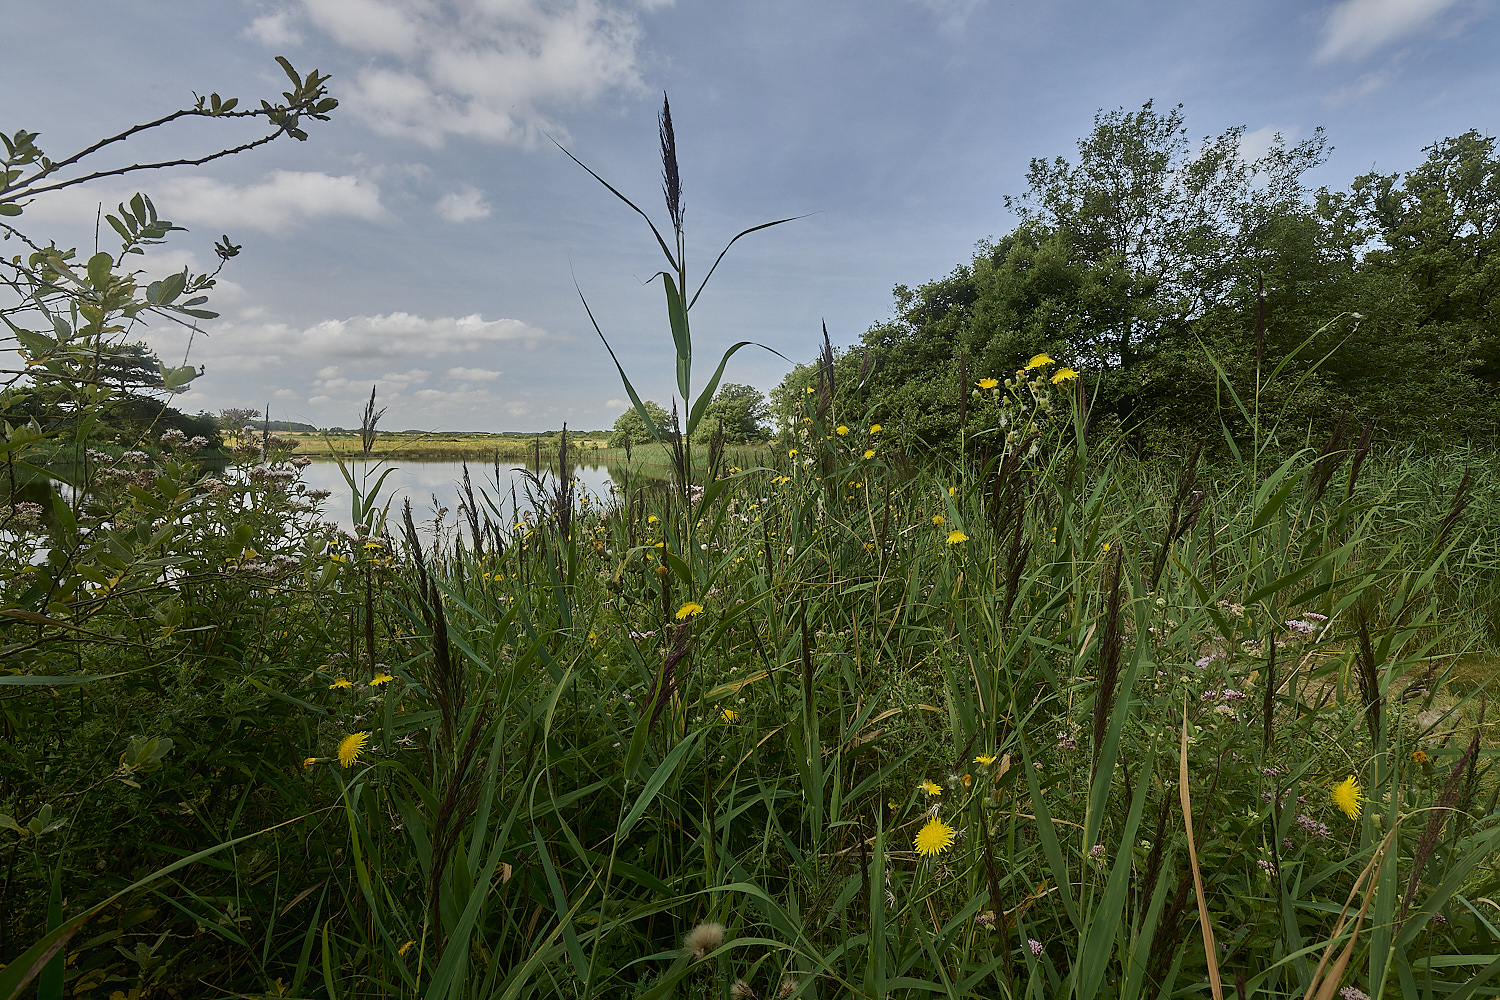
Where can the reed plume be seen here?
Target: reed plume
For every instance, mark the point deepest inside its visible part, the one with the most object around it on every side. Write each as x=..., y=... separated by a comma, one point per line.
x=1110, y=647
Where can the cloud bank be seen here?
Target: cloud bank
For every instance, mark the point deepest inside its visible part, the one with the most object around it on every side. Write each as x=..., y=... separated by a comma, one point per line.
x=1358, y=28
x=487, y=69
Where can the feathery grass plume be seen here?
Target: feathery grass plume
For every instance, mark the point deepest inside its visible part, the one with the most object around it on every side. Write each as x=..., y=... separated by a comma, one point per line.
x=1260, y=320
x=1110, y=646
x=1443, y=808
x=470, y=511
x=1361, y=452
x=1461, y=498
x=703, y=940
x=992, y=886
x=788, y=986
x=414, y=549
x=1268, y=706
x=367, y=421
x=460, y=798
x=825, y=377
x=741, y=990
x=667, y=678
x=1179, y=523
x=671, y=178
x=1367, y=672
x=1326, y=464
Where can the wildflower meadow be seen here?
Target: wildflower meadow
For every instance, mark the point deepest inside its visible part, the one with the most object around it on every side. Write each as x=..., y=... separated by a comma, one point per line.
x=1042, y=718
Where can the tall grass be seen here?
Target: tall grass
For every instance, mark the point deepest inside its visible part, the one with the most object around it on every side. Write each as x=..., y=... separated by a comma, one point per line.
x=1047, y=721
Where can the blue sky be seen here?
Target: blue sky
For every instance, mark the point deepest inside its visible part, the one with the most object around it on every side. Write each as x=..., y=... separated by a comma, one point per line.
x=427, y=239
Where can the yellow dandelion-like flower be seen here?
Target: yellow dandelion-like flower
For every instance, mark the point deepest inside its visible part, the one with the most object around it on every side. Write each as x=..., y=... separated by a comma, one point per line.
x=939, y=520
x=1418, y=757
x=689, y=609
x=930, y=787
x=953, y=491
x=781, y=479
x=809, y=390
x=1038, y=361
x=341, y=683
x=308, y=762
x=986, y=759
x=651, y=519
x=957, y=538
x=1062, y=375
x=380, y=679
x=792, y=453
x=874, y=428
x=934, y=838
x=729, y=715
x=869, y=453
x=405, y=948
x=987, y=383
x=841, y=430
x=1104, y=547
x=351, y=746
x=1346, y=796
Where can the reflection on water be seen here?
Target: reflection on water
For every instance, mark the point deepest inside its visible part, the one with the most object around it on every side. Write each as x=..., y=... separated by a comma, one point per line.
x=434, y=486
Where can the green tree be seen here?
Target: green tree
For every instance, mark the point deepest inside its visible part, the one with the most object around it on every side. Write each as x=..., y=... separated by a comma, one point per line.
x=630, y=427
x=741, y=411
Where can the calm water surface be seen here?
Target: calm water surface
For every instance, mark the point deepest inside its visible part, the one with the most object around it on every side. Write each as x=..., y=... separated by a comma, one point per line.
x=434, y=486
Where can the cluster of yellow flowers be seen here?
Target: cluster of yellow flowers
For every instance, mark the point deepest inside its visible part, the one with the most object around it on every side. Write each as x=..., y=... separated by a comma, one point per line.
x=1025, y=401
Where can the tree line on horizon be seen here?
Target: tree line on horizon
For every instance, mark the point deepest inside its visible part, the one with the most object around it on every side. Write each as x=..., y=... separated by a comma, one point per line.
x=1174, y=279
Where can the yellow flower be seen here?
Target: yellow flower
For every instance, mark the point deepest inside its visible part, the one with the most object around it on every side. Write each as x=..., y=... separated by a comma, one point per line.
x=688, y=609
x=874, y=428
x=985, y=759
x=1037, y=362
x=351, y=746
x=1418, y=757
x=781, y=479
x=939, y=520
x=308, y=762
x=405, y=948
x=934, y=838
x=1346, y=796
x=729, y=715
x=340, y=683
x=869, y=453
x=841, y=431
x=987, y=383
x=953, y=491
x=650, y=518
x=380, y=679
x=792, y=453
x=957, y=537
x=809, y=390
x=930, y=787
x=1105, y=547
x=1062, y=375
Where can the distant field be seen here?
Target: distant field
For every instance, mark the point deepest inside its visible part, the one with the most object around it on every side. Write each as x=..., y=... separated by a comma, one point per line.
x=584, y=450
x=440, y=447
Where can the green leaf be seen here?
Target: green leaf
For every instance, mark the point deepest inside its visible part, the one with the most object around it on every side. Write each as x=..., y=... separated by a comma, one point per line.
x=99, y=267
x=9, y=208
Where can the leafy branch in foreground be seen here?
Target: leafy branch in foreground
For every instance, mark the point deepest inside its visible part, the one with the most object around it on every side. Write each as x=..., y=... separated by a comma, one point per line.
x=29, y=172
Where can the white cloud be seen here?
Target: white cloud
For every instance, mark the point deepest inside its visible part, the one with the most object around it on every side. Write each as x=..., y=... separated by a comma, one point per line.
x=463, y=205
x=280, y=201
x=1356, y=28
x=1257, y=143
x=273, y=30
x=473, y=374
x=490, y=69
x=237, y=345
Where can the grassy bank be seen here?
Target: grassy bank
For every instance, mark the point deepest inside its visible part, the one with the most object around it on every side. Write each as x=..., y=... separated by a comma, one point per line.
x=442, y=447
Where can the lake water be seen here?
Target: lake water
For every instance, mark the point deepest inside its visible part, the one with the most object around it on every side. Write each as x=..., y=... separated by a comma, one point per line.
x=436, y=485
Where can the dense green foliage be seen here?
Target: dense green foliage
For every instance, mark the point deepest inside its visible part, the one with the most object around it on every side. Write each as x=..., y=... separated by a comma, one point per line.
x=1175, y=277
x=844, y=725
